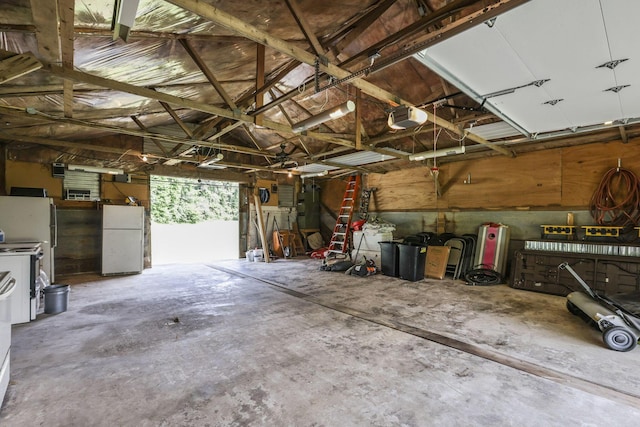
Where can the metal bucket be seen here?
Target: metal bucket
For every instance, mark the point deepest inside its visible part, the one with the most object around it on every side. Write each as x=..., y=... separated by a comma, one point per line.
x=56, y=298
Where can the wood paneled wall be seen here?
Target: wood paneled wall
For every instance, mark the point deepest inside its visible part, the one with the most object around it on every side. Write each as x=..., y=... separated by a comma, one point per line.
x=551, y=179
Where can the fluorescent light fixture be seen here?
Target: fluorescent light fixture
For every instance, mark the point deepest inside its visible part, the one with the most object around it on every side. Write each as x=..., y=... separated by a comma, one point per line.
x=404, y=117
x=95, y=169
x=313, y=175
x=332, y=114
x=124, y=14
x=437, y=153
x=212, y=160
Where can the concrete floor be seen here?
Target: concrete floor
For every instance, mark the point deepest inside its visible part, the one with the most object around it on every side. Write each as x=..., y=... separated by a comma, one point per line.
x=284, y=344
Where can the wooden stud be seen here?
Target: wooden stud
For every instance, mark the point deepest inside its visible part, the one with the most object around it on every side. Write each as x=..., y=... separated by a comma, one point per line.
x=261, y=228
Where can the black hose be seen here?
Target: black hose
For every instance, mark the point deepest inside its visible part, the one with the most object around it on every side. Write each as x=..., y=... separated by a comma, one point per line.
x=482, y=277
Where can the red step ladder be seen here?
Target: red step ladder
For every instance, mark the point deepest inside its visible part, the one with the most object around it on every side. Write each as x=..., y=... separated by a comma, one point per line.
x=340, y=238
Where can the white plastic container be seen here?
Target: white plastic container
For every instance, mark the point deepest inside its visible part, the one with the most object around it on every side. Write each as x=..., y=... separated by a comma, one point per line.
x=1, y=236
x=258, y=255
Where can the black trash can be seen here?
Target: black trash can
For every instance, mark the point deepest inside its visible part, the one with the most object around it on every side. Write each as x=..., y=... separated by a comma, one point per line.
x=56, y=298
x=389, y=258
x=411, y=262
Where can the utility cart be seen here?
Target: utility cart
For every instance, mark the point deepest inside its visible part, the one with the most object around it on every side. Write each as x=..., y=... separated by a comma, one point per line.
x=617, y=316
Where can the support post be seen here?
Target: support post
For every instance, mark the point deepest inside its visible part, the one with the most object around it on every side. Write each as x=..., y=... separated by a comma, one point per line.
x=260, y=220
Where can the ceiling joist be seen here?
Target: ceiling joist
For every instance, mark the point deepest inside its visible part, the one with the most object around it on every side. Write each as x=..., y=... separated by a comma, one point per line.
x=13, y=66
x=231, y=23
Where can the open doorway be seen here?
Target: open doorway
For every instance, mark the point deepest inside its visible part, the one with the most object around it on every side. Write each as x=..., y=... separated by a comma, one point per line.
x=193, y=220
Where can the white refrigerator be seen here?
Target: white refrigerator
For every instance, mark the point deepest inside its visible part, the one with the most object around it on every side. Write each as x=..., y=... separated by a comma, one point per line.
x=31, y=219
x=122, y=239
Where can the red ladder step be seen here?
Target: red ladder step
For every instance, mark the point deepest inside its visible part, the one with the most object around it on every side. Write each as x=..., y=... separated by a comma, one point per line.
x=340, y=238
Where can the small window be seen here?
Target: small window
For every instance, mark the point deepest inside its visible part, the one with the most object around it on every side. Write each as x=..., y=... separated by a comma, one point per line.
x=285, y=196
x=80, y=185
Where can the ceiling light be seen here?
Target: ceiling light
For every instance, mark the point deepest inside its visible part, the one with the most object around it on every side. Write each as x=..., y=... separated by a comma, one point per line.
x=95, y=169
x=215, y=159
x=145, y=158
x=404, y=117
x=607, y=123
x=437, y=153
x=313, y=175
x=332, y=114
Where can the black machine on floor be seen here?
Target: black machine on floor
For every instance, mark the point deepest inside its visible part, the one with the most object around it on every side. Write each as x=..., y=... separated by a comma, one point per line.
x=617, y=316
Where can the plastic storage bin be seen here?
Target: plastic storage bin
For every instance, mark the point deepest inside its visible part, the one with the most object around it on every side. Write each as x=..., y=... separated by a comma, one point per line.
x=389, y=258
x=411, y=262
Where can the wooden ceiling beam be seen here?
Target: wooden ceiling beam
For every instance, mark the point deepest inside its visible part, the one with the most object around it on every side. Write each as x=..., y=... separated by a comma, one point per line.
x=306, y=29
x=260, y=65
x=207, y=126
x=66, y=9
x=176, y=118
x=362, y=25
x=225, y=131
x=410, y=30
x=46, y=19
x=155, y=141
x=179, y=147
x=68, y=144
x=56, y=89
x=186, y=44
x=126, y=131
x=191, y=171
x=254, y=141
x=292, y=65
x=231, y=23
x=160, y=96
x=184, y=102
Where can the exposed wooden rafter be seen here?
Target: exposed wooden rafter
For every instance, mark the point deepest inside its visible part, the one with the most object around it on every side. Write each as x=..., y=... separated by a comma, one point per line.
x=240, y=27
x=260, y=65
x=66, y=9
x=306, y=29
x=361, y=26
x=46, y=18
x=186, y=44
x=127, y=131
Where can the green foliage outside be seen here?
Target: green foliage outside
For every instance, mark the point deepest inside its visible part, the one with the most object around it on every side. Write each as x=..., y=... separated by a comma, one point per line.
x=187, y=201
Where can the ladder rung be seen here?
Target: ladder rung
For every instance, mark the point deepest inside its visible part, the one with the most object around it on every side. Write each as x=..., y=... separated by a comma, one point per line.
x=339, y=234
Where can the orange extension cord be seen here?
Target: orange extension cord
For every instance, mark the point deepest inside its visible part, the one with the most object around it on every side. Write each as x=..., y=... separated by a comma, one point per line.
x=616, y=202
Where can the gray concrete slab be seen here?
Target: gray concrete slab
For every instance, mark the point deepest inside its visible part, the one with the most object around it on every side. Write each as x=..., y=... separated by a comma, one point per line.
x=238, y=343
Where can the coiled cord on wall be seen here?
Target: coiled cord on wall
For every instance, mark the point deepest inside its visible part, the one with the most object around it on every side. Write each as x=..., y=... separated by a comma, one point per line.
x=616, y=201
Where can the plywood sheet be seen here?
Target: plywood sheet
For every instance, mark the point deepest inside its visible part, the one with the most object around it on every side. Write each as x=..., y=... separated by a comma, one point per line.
x=406, y=190
x=529, y=180
x=584, y=166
